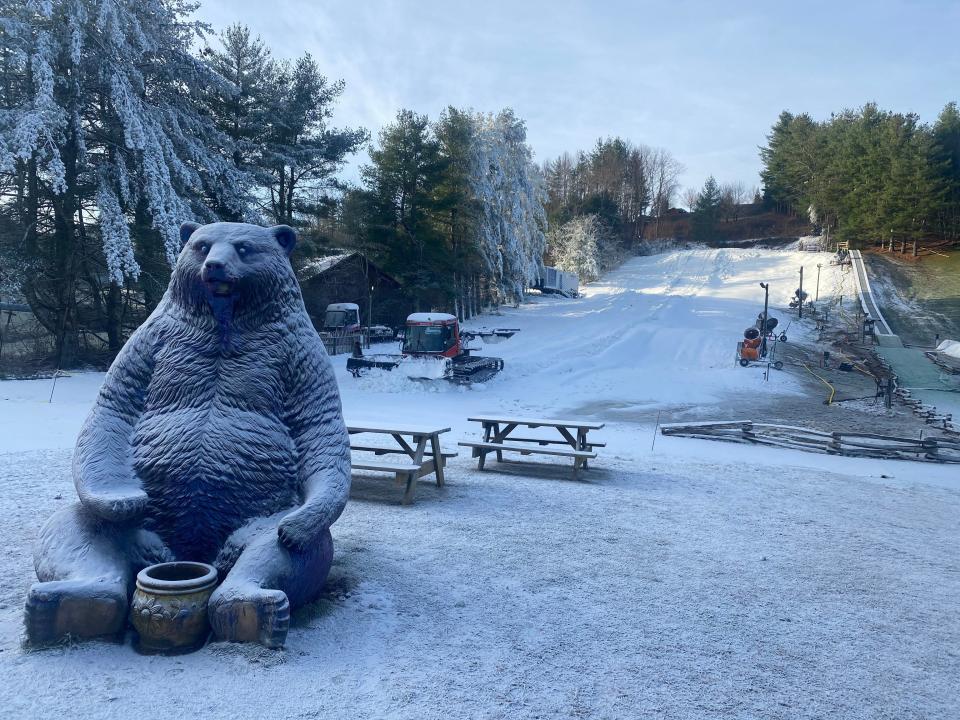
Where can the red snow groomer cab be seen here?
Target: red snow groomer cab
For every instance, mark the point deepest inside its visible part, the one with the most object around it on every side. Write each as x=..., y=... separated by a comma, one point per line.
x=433, y=348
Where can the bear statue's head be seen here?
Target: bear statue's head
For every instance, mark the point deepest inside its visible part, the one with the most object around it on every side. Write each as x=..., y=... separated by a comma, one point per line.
x=234, y=271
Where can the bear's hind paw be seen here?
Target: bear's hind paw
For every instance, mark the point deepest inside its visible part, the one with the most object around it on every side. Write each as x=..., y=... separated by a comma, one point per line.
x=57, y=611
x=261, y=616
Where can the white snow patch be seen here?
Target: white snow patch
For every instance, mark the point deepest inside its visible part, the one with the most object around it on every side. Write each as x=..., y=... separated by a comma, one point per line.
x=950, y=347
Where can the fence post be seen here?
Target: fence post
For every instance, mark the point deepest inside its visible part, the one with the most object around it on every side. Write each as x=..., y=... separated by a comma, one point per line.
x=834, y=446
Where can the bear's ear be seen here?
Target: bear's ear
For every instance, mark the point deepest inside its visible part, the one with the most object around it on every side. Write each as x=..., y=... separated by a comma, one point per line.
x=286, y=236
x=186, y=230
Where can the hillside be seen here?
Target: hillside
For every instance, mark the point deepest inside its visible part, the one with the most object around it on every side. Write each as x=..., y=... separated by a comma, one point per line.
x=752, y=221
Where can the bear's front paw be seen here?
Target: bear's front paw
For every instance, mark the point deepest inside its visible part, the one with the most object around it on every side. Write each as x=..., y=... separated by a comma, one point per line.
x=296, y=531
x=118, y=506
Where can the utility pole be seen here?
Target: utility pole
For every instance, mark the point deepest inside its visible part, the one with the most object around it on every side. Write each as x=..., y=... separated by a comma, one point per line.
x=763, y=330
x=369, y=314
x=800, y=295
x=817, y=298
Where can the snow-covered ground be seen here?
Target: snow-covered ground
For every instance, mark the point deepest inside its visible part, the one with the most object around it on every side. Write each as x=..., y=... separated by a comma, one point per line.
x=690, y=580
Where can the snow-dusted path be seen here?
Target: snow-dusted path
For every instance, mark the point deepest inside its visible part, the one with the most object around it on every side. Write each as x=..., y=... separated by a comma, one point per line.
x=690, y=591
x=698, y=580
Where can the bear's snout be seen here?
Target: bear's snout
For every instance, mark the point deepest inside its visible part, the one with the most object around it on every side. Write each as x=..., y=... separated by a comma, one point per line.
x=217, y=271
x=214, y=270
x=221, y=255
x=216, y=276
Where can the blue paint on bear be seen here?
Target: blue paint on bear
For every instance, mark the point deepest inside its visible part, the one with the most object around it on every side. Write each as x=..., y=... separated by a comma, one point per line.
x=217, y=437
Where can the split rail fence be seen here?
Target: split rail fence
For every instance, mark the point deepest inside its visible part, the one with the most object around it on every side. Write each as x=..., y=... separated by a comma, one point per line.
x=932, y=449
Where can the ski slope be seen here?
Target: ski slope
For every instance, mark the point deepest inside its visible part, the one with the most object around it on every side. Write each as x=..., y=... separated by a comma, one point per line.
x=691, y=580
x=660, y=331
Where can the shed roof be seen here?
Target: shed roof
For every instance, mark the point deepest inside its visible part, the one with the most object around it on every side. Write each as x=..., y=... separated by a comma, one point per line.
x=322, y=264
x=318, y=266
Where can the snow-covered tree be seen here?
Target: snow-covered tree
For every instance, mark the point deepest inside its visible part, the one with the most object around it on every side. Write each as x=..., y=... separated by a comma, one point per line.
x=511, y=193
x=583, y=245
x=572, y=247
x=111, y=111
x=102, y=134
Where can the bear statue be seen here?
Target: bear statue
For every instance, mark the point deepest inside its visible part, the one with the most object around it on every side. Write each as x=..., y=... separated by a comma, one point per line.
x=217, y=437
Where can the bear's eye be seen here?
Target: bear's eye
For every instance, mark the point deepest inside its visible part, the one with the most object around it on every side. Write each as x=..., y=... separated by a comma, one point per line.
x=203, y=248
x=243, y=250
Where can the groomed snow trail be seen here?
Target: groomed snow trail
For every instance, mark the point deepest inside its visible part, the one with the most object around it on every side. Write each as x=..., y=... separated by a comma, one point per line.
x=699, y=580
x=660, y=331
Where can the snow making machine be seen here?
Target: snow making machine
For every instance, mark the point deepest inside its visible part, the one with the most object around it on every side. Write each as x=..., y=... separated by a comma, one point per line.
x=750, y=349
x=433, y=349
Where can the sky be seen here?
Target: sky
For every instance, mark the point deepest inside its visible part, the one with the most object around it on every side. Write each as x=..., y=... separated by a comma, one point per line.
x=703, y=79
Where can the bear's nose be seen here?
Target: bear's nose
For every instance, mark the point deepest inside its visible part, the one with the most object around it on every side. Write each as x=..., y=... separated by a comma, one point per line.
x=213, y=265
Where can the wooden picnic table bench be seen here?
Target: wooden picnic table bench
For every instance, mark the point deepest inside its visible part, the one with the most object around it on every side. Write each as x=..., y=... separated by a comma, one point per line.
x=497, y=438
x=423, y=453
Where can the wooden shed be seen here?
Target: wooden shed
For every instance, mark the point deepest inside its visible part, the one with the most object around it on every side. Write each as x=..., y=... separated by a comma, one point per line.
x=352, y=278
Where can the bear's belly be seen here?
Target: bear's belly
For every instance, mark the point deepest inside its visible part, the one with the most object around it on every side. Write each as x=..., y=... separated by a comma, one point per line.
x=208, y=470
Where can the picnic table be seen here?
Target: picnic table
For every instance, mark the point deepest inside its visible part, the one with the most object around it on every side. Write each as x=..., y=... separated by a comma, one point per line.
x=420, y=444
x=498, y=438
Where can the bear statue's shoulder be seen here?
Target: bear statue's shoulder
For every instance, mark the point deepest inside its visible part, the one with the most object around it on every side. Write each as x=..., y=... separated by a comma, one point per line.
x=301, y=337
x=303, y=345
x=149, y=335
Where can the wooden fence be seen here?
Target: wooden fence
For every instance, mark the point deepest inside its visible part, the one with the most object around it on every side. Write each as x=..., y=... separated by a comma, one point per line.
x=932, y=449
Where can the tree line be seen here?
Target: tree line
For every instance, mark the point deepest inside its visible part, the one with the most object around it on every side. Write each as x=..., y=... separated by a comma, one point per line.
x=867, y=175
x=600, y=202
x=457, y=210
x=119, y=120
x=453, y=208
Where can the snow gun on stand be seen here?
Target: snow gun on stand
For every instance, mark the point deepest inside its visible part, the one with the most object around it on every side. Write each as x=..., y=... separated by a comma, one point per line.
x=433, y=349
x=771, y=329
x=800, y=298
x=749, y=350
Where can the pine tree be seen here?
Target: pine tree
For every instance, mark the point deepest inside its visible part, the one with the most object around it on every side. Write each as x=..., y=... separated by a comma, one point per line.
x=945, y=160
x=101, y=125
x=457, y=211
x=241, y=108
x=401, y=182
x=776, y=188
x=706, y=211
x=301, y=153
